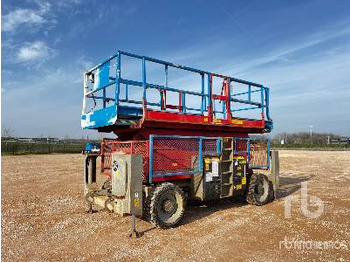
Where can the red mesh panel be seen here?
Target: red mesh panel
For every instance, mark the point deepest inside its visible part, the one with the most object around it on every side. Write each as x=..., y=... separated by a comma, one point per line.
x=241, y=145
x=141, y=148
x=258, y=153
x=172, y=155
x=131, y=147
x=209, y=146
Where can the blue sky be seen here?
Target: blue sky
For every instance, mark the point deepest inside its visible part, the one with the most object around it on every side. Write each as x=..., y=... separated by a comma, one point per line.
x=300, y=49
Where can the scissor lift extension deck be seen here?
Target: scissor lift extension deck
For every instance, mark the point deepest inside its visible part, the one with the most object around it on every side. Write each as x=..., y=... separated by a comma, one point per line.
x=120, y=113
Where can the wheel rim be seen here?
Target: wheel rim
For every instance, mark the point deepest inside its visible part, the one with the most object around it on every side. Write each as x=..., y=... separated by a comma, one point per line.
x=168, y=208
x=261, y=190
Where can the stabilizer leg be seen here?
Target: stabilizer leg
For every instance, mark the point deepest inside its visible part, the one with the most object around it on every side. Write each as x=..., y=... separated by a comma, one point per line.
x=89, y=177
x=134, y=232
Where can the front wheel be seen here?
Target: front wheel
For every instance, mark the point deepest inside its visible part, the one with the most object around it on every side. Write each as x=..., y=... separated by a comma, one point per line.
x=260, y=190
x=167, y=205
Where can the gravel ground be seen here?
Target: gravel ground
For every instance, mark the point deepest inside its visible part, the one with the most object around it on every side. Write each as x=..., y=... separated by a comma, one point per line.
x=44, y=217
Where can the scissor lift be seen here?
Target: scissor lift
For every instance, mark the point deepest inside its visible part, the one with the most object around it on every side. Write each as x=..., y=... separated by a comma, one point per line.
x=194, y=142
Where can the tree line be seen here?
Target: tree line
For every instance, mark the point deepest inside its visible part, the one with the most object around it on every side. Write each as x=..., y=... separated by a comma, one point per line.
x=307, y=138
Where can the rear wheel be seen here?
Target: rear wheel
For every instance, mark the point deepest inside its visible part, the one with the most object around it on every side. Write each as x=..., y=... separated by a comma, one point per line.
x=167, y=205
x=260, y=190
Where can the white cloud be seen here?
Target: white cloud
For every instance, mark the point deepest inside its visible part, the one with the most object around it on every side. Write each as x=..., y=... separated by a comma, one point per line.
x=281, y=53
x=33, y=52
x=68, y=3
x=21, y=16
x=47, y=113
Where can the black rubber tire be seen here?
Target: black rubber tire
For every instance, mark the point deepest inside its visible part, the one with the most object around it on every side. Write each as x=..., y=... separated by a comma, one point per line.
x=272, y=195
x=147, y=207
x=260, y=190
x=165, y=196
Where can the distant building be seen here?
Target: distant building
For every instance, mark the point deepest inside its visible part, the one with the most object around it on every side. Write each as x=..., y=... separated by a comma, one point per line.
x=24, y=139
x=341, y=141
x=30, y=140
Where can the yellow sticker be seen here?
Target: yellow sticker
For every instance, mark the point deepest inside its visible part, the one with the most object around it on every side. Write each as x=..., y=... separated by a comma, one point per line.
x=136, y=202
x=117, y=174
x=238, y=187
x=244, y=180
x=206, y=119
x=237, y=122
x=217, y=120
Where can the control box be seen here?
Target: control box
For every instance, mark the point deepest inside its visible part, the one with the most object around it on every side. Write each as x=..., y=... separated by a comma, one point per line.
x=206, y=185
x=240, y=173
x=212, y=178
x=127, y=183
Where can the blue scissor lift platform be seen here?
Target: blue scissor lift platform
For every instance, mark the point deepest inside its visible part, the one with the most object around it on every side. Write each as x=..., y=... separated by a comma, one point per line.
x=116, y=99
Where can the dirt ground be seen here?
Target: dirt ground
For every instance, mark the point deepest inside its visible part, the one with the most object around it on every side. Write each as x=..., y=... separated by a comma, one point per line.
x=44, y=217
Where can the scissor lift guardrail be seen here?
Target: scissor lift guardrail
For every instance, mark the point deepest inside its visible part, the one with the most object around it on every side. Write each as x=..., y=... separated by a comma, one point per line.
x=117, y=110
